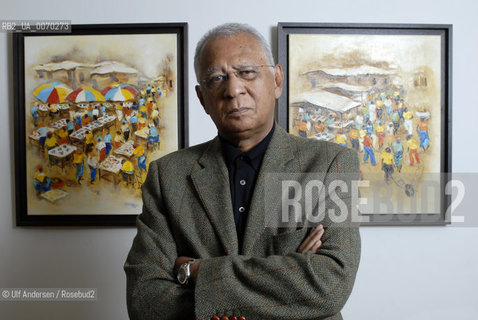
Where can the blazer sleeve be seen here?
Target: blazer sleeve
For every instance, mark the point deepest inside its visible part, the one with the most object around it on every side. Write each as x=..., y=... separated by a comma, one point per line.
x=152, y=288
x=288, y=286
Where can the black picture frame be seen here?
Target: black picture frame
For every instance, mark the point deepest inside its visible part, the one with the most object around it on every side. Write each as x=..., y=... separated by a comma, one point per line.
x=169, y=82
x=337, y=62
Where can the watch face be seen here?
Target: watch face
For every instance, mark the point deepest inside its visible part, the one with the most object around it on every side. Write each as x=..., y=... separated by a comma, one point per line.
x=182, y=275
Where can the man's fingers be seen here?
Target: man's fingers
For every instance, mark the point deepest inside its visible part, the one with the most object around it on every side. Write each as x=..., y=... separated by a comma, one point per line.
x=316, y=246
x=311, y=243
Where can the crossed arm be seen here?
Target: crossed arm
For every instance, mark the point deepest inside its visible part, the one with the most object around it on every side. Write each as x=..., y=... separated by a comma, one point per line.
x=297, y=285
x=310, y=244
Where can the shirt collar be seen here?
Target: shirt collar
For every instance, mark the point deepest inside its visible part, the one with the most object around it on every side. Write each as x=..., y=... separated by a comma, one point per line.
x=254, y=156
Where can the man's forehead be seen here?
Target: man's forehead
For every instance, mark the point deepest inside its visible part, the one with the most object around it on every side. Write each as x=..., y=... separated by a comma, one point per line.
x=236, y=54
x=241, y=44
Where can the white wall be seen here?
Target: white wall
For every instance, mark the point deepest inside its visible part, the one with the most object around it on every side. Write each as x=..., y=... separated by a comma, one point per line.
x=406, y=273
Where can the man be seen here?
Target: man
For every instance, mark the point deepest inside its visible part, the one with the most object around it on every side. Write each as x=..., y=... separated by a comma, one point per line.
x=78, y=158
x=367, y=146
x=203, y=207
x=397, y=147
x=139, y=152
x=107, y=140
x=153, y=136
x=396, y=121
x=408, y=121
x=412, y=146
x=422, y=129
x=341, y=138
x=89, y=139
x=387, y=166
x=41, y=181
x=35, y=114
x=380, y=132
x=127, y=171
x=354, y=139
x=92, y=163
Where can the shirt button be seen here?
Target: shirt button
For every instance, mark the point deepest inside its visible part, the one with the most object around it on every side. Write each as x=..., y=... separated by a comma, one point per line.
x=242, y=209
x=242, y=182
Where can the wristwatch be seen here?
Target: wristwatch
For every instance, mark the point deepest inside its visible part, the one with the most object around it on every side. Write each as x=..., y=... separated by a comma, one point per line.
x=184, y=272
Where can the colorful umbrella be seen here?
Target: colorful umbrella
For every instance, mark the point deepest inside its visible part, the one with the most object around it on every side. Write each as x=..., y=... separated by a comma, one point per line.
x=122, y=92
x=52, y=92
x=85, y=95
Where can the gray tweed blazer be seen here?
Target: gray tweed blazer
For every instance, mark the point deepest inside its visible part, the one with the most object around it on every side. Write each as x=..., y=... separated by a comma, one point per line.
x=187, y=211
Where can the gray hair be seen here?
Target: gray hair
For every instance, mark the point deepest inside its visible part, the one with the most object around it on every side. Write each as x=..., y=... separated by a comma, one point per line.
x=230, y=29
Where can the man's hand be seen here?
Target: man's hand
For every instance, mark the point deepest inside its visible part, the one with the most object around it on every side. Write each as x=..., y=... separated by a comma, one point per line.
x=194, y=268
x=312, y=242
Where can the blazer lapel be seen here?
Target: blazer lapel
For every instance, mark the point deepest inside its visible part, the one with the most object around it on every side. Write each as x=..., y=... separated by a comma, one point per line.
x=277, y=159
x=211, y=180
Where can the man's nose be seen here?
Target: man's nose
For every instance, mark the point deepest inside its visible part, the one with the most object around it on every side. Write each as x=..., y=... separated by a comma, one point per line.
x=234, y=86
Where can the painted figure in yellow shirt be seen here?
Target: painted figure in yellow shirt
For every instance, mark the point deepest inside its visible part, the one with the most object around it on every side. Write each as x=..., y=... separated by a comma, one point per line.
x=412, y=145
x=387, y=164
x=50, y=141
x=78, y=158
x=127, y=170
x=139, y=152
x=63, y=135
x=89, y=139
x=380, y=132
x=41, y=182
x=340, y=138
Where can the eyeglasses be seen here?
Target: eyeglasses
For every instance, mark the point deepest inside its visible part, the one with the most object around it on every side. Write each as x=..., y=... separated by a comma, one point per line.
x=216, y=80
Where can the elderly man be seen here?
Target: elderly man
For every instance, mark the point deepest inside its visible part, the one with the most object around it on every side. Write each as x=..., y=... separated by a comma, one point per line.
x=204, y=249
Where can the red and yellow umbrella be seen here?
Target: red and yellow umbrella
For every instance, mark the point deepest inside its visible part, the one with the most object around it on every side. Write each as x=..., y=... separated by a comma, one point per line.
x=85, y=94
x=52, y=92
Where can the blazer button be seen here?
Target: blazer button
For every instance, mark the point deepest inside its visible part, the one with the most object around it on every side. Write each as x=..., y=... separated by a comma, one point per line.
x=232, y=318
x=242, y=318
x=215, y=318
x=224, y=318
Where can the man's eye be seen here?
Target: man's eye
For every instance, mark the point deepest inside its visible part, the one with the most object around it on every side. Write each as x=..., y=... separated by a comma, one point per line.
x=248, y=74
x=216, y=79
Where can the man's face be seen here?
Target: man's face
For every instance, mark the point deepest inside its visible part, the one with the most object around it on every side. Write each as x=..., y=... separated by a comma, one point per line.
x=241, y=106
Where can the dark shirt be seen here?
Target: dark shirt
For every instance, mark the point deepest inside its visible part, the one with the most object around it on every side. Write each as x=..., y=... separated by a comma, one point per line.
x=243, y=169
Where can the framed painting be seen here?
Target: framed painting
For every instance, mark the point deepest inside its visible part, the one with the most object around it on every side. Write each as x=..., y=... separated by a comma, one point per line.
x=383, y=90
x=92, y=109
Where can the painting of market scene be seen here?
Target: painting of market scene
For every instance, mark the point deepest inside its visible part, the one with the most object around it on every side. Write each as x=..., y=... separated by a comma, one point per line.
x=377, y=94
x=98, y=110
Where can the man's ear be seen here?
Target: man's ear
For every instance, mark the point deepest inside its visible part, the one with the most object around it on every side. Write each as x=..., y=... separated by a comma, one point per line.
x=278, y=80
x=201, y=97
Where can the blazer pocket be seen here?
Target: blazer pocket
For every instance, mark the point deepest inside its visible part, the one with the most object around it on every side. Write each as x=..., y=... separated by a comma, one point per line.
x=288, y=242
